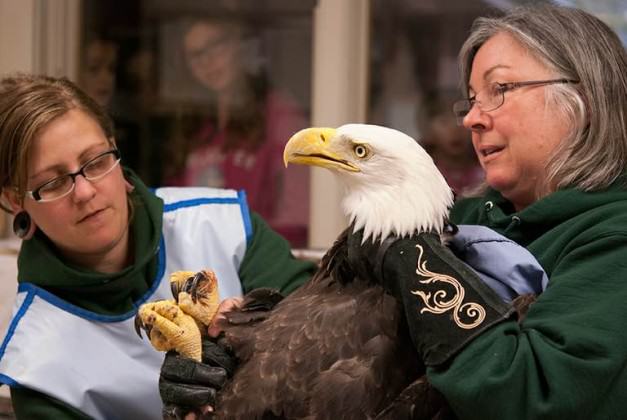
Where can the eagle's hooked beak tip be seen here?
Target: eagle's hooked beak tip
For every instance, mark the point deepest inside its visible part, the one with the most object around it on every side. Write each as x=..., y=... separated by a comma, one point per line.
x=307, y=146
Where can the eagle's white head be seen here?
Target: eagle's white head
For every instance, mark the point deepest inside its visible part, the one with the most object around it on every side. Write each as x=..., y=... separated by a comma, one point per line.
x=392, y=185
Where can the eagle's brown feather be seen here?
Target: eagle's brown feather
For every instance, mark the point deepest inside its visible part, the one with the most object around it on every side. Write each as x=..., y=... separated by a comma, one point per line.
x=332, y=349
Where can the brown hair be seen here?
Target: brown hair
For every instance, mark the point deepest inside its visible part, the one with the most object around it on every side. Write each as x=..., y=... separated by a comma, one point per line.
x=27, y=104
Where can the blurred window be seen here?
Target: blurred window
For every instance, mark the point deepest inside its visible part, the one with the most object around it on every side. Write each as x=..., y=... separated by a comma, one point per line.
x=612, y=12
x=207, y=94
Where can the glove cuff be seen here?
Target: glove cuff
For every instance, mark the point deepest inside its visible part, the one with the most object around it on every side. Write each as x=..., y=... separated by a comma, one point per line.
x=446, y=303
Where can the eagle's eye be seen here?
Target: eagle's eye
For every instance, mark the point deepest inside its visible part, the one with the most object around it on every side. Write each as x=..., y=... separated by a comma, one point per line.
x=360, y=150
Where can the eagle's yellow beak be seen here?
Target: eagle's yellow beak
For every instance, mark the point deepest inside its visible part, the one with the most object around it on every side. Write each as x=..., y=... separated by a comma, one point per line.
x=315, y=146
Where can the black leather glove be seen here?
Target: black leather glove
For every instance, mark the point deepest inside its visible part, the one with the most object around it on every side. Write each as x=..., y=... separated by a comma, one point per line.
x=186, y=385
x=418, y=401
x=445, y=302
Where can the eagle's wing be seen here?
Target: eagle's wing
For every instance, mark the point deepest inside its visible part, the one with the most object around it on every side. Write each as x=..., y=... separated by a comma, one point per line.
x=329, y=350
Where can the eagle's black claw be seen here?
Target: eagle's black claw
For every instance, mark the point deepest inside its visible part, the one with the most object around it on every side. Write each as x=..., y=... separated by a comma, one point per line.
x=194, y=285
x=139, y=325
x=174, y=287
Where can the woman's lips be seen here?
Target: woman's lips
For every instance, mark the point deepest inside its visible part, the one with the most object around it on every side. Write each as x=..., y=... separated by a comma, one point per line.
x=491, y=152
x=91, y=216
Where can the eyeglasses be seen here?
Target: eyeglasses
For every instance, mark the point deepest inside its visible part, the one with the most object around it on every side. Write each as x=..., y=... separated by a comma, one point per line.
x=493, y=96
x=93, y=170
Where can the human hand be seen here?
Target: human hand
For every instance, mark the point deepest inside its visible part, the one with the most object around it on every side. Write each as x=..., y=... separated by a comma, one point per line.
x=227, y=305
x=188, y=388
x=254, y=307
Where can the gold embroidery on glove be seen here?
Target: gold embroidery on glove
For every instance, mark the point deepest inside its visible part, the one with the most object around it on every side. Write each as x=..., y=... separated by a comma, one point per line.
x=438, y=303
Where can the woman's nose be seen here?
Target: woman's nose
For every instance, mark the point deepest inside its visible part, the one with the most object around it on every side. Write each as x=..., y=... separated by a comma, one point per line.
x=83, y=189
x=476, y=120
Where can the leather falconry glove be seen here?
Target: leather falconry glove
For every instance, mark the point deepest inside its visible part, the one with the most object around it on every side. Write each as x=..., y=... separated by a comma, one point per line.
x=445, y=302
x=186, y=385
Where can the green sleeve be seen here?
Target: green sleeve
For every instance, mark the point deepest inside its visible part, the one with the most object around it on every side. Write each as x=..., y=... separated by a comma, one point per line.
x=565, y=360
x=29, y=404
x=269, y=262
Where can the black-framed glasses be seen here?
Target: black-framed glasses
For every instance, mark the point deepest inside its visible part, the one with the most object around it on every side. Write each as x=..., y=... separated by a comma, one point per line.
x=93, y=170
x=493, y=96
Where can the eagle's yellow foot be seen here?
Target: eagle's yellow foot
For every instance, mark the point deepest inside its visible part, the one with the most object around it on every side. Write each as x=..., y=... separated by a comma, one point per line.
x=196, y=294
x=169, y=328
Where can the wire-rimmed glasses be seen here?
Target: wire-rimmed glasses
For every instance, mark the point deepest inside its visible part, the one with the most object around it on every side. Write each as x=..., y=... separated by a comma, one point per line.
x=493, y=96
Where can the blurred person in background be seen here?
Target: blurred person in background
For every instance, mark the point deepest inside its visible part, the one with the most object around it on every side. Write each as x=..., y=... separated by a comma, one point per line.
x=98, y=69
x=97, y=78
x=451, y=149
x=239, y=142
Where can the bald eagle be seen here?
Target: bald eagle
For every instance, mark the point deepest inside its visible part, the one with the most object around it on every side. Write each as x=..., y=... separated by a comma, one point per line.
x=338, y=347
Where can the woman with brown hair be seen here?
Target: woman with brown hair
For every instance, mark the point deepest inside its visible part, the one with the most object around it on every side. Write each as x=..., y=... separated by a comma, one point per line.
x=97, y=243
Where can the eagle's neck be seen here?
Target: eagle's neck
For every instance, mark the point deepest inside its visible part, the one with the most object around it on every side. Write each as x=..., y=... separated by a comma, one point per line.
x=400, y=208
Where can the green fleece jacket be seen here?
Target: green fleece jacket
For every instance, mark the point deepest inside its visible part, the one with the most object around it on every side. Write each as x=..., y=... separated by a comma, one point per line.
x=568, y=358
x=267, y=262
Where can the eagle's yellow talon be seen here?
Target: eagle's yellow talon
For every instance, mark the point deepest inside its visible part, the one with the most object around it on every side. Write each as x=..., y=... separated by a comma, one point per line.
x=174, y=324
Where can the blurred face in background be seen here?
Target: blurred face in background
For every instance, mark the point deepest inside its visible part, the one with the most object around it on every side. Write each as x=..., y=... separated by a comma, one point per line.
x=212, y=54
x=98, y=71
x=451, y=140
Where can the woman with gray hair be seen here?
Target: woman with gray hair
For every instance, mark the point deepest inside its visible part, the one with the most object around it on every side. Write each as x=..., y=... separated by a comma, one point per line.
x=547, y=108
x=546, y=101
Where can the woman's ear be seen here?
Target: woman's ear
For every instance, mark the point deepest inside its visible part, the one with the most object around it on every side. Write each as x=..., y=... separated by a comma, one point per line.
x=129, y=187
x=9, y=196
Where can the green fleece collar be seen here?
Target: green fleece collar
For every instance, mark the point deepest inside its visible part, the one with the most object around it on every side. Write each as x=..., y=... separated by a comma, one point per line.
x=496, y=212
x=556, y=207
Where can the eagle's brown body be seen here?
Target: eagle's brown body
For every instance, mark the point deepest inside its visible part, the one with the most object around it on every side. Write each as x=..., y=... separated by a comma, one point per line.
x=335, y=348
x=338, y=348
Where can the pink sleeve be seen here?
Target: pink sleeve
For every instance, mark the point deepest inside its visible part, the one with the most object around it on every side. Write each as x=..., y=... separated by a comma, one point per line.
x=291, y=211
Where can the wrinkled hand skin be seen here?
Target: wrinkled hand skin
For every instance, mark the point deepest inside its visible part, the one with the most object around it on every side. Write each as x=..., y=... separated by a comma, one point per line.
x=176, y=324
